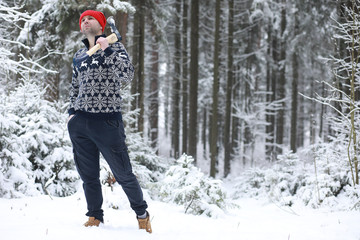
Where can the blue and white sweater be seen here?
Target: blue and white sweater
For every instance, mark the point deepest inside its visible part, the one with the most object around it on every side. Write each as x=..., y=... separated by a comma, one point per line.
x=96, y=81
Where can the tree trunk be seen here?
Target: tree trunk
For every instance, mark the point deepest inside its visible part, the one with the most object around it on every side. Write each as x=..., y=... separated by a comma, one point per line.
x=185, y=81
x=176, y=84
x=141, y=69
x=274, y=80
x=229, y=87
x=322, y=115
x=343, y=54
x=312, y=129
x=294, y=102
x=194, y=78
x=300, y=142
x=204, y=127
x=154, y=90
x=280, y=121
x=121, y=21
x=269, y=129
x=249, y=88
x=247, y=131
x=235, y=122
x=135, y=61
x=214, y=122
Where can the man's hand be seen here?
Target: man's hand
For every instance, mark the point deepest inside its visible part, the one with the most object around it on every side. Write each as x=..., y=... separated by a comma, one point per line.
x=104, y=44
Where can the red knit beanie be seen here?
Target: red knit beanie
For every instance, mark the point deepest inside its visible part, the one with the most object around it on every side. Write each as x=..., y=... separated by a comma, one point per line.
x=99, y=16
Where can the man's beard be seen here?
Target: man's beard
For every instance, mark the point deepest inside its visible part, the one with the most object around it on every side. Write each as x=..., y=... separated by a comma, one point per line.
x=91, y=32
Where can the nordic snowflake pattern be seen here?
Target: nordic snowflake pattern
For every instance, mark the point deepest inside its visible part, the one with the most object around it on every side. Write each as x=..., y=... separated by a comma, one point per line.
x=97, y=81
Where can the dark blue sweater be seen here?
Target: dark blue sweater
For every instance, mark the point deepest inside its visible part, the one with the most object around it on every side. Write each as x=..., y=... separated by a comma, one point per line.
x=96, y=82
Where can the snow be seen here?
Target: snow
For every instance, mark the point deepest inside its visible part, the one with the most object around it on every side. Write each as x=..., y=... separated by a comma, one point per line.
x=42, y=217
x=324, y=205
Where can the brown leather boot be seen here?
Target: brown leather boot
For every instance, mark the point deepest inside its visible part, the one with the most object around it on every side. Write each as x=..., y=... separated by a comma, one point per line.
x=92, y=222
x=144, y=223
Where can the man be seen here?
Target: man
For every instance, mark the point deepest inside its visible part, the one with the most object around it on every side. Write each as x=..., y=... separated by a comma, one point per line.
x=95, y=121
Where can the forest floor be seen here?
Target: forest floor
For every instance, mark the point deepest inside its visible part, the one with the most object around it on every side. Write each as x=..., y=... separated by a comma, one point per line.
x=42, y=217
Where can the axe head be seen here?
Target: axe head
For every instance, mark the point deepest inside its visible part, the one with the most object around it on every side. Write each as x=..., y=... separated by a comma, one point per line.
x=110, y=20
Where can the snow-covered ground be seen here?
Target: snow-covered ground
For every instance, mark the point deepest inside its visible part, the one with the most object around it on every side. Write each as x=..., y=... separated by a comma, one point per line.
x=35, y=218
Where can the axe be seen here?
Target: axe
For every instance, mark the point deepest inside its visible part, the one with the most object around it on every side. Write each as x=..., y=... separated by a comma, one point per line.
x=114, y=37
x=111, y=23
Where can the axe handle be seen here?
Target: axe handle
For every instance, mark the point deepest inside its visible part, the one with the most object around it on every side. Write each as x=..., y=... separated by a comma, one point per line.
x=111, y=39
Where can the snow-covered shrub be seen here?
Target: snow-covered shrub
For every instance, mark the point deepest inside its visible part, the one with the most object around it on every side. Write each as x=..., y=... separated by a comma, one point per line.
x=293, y=180
x=331, y=177
x=282, y=180
x=186, y=185
x=147, y=166
x=35, y=151
x=350, y=197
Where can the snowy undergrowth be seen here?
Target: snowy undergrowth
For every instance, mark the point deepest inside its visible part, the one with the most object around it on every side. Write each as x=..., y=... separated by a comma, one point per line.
x=293, y=180
x=182, y=184
x=185, y=184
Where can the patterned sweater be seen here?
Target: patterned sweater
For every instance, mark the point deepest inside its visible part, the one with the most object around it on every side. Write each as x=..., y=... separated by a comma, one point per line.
x=96, y=81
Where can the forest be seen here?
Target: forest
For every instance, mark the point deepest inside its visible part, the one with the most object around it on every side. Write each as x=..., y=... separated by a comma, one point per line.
x=263, y=94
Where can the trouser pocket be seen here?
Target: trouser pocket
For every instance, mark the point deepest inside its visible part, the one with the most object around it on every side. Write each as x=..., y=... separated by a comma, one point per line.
x=120, y=157
x=71, y=119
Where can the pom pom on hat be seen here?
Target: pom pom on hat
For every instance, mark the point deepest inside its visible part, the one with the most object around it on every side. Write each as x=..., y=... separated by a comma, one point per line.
x=99, y=16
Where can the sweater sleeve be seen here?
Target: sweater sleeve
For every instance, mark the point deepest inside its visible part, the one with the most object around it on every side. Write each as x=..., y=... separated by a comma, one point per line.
x=118, y=61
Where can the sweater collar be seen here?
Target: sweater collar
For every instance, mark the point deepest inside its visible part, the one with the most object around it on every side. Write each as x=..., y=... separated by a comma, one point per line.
x=86, y=41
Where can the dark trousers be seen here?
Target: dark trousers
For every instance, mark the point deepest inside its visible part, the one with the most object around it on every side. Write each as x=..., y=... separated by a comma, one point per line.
x=90, y=137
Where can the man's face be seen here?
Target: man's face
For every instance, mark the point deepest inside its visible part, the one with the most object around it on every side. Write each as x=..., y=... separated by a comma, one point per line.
x=89, y=25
